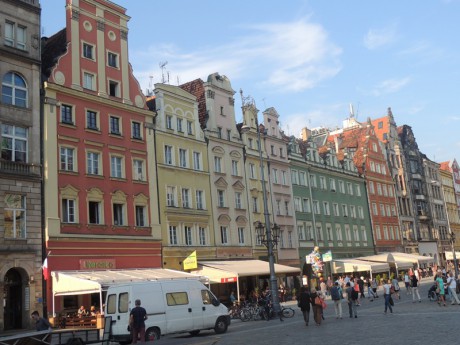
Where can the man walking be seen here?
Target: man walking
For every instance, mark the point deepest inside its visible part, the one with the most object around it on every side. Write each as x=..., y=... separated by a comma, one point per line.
x=304, y=304
x=452, y=286
x=336, y=296
x=352, y=296
x=415, y=289
x=137, y=319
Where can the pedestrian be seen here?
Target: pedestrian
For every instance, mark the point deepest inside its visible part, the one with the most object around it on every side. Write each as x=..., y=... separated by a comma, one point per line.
x=414, y=282
x=315, y=299
x=41, y=324
x=395, y=284
x=387, y=296
x=440, y=286
x=137, y=319
x=361, y=287
x=375, y=286
x=329, y=284
x=452, y=286
x=407, y=283
x=282, y=293
x=336, y=296
x=323, y=287
x=304, y=304
x=370, y=291
x=351, y=299
x=357, y=289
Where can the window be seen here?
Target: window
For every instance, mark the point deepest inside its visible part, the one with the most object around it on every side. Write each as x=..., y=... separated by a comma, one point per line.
x=385, y=232
x=94, y=212
x=238, y=204
x=182, y=158
x=283, y=177
x=275, y=175
x=202, y=236
x=374, y=147
x=199, y=200
x=138, y=170
x=171, y=196
x=229, y=134
x=15, y=216
x=179, y=125
x=290, y=245
x=250, y=143
x=136, y=130
x=189, y=127
x=168, y=155
x=185, y=198
x=115, y=125
x=322, y=182
x=15, y=35
x=116, y=167
x=88, y=51
x=350, y=188
x=14, y=90
x=316, y=208
x=358, y=190
x=327, y=211
x=286, y=207
x=379, y=189
x=118, y=210
x=363, y=234
x=218, y=164
x=371, y=187
x=168, y=122
x=14, y=143
x=91, y=120
x=221, y=198
x=88, y=81
x=335, y=208
x=172, y=235
x=68, y=210
x=360, y=212
x=219, y=132
x=197, y=160
x=251, y=170
x=378, y=234
x=329, y=234
x=92, y=163
x=278, y=207
x=114, y=88
x=341, y=187
x=255, y=208
x=306, y=205
x=355, y=233
x=297, y=204
x=301, y=232
x=66, y=114
x=332, y=184
x=338, y=233
x=140, y=216
x=345, y=210
x=112, y=59
x=224, y=235
x=388, y=210
x=67, y=158
x=302, y=178
x=392, y=234
x=352, y=211
x=188, y=236
x=235, y=168
x=377, y=168
x=240, y=235
x=272, y=149
x=380, y=124
x=393, y=210
x=382, y=210
x=347, y=233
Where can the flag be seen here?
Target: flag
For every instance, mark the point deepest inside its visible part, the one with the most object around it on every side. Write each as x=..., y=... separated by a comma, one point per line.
x=190, y=261
x=46, y=272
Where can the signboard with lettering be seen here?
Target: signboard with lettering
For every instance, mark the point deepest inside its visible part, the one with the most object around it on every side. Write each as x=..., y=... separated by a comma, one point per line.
x=97, y=264
x=229, y=280
x=191, y=261
x=327, y=256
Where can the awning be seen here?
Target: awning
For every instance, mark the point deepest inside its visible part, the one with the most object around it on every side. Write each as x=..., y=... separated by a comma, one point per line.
x=450, y=255
x=416, y=259
x=86, y=282
x=354, y=265
x=389, y=258
x=220, y=271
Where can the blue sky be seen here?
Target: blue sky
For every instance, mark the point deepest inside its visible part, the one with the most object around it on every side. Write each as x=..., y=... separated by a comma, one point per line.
x=309, y=59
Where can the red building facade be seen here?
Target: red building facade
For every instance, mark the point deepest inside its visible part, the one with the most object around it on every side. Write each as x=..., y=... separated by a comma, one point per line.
x=100, y=210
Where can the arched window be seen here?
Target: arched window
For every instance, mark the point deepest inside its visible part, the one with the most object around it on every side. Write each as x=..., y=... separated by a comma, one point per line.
x=14, y=90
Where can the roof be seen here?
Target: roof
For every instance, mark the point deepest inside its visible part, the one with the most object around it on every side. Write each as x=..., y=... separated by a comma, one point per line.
x=388, y=258
x=86, y=282
x=416, y=259
x=52, y=48
x=196, y=88
x=354, y=265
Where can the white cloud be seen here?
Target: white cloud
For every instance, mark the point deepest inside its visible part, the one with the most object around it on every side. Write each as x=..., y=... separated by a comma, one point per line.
x=390, y=86
x=378, y=38
x=290, y=56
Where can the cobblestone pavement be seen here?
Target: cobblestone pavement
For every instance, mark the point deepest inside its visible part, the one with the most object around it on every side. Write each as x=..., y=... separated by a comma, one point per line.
x=410, y=323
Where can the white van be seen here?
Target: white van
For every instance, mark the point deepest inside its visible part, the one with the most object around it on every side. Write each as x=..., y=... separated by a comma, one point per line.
x=173, y=306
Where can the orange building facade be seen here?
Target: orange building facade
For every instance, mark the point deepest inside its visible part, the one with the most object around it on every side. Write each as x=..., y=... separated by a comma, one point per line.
x=100, y=210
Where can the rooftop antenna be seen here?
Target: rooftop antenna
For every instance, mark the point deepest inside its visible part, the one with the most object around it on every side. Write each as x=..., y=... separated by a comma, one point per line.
x=162, y=66
x=178, y=80
x=352, y=112
x=263, y=100
x=167, y=73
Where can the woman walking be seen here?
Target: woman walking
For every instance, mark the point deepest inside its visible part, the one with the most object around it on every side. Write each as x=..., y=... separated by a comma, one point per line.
x=387, y=296
x=440, y=286
x=315, y=299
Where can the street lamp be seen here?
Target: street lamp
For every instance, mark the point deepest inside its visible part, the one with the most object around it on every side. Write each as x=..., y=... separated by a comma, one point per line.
x=270, y=236
x=452, y=242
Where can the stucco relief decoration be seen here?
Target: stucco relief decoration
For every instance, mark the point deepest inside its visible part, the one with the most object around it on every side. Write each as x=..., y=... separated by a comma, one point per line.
x=75, y=15
x=123, y=35
x=87, y=25
x=139, y=101
x=112, y=36
x=35, y=39
x=59, y=78
x=100, y=25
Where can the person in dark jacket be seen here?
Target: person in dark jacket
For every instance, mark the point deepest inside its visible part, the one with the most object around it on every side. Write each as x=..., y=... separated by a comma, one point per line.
x=41, y=324
x=304, y=304
x=137, y=319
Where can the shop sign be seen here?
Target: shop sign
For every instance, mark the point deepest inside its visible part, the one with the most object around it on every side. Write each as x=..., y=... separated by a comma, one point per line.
x=97, y=264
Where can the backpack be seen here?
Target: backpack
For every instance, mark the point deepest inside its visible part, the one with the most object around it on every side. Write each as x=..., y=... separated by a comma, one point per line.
x=335, y=294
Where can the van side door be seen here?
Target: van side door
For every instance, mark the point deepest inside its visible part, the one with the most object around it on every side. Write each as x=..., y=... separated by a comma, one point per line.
x=179, y=310
x=118, y=307
x=210, y=311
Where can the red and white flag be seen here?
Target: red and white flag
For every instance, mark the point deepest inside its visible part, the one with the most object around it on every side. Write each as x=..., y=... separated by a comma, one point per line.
x=46, y=272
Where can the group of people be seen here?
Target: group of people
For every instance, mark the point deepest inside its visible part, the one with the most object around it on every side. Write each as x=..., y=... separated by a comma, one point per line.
x=83, y=312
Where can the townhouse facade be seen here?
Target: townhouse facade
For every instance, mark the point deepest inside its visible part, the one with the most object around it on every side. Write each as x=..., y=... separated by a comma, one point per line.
x=185, y=203
x=330, y=201
x=450, y=203
x=453, y=214
x=100, y=212
x=20, y=164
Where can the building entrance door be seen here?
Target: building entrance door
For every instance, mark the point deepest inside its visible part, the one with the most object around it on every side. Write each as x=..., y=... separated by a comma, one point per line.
x=12, y=297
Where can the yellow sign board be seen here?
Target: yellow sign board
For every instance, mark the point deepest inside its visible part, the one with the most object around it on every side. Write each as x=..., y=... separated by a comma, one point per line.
x=191, y=261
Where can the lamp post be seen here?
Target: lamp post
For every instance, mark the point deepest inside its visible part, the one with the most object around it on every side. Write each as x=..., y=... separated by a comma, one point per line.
x=452, y=242
x=266, y=234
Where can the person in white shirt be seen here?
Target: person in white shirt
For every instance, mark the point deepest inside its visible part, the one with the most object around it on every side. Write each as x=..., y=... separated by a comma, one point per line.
x=407, y=284
x=452, y=285
x=387, y=295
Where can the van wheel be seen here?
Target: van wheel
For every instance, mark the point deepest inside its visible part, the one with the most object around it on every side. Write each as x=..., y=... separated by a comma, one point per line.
x=153, y=333
x=194, y=333
x=221, y=326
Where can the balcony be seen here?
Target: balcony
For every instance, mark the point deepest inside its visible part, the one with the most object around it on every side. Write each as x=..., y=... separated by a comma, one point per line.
x=19, y=168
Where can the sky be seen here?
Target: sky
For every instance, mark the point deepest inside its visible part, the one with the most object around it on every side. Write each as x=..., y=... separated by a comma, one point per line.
x=308, y=59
